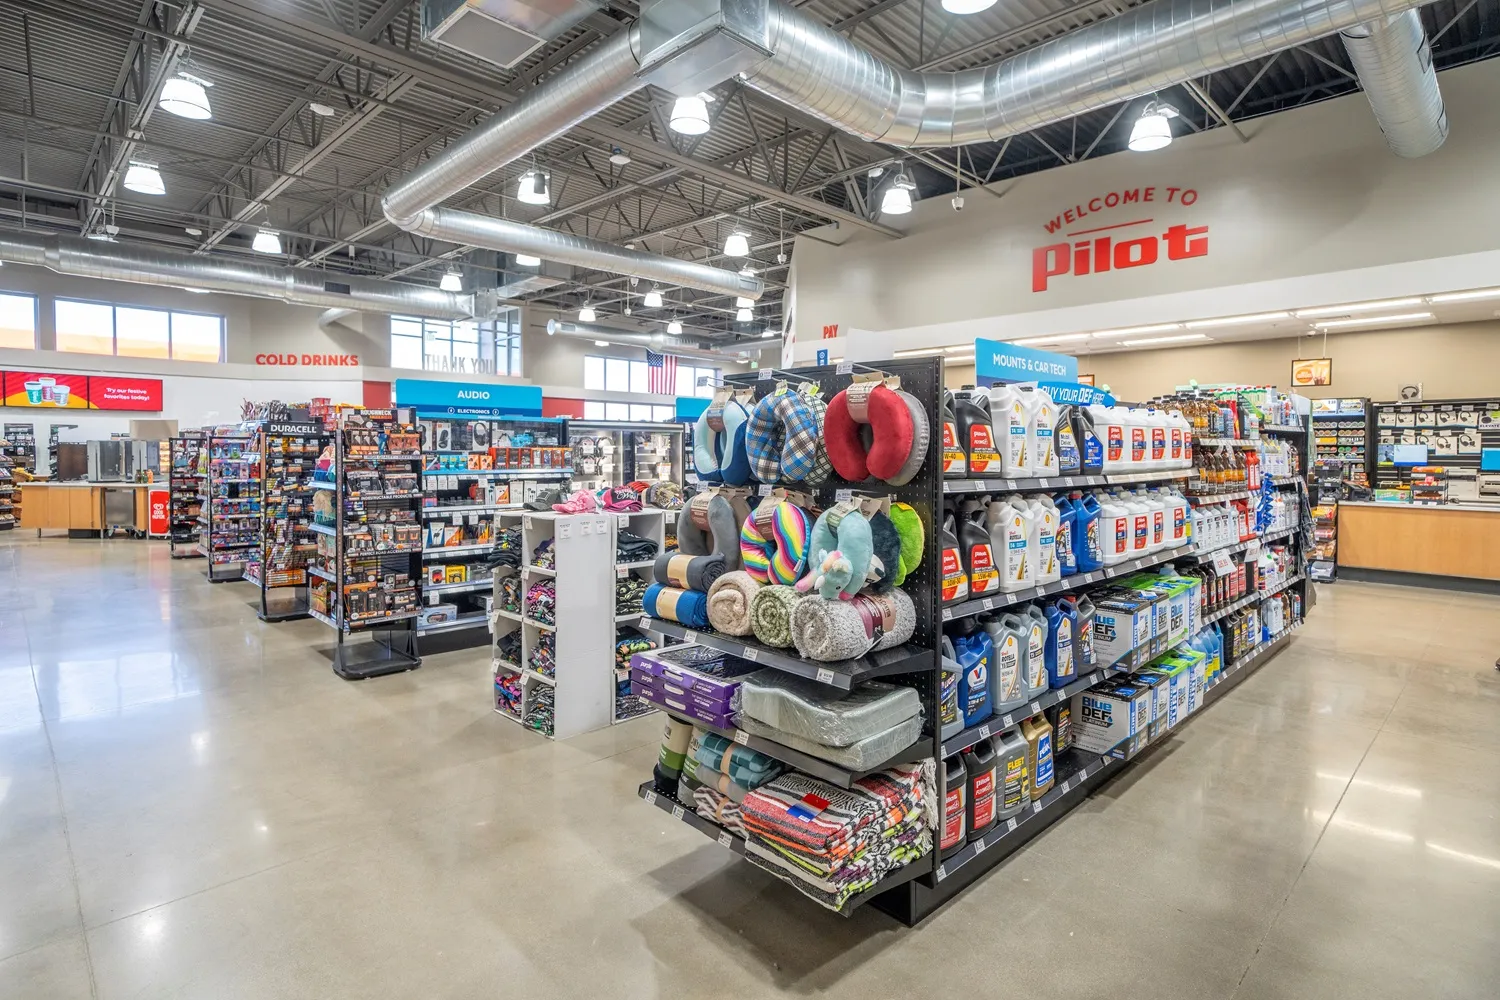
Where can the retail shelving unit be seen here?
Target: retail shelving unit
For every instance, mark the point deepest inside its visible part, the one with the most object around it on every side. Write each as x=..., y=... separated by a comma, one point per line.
x=919, y=888
x=1456, y=432
x=650, y=524
x=289, y=452
x=607, y=453
x=22, y=438
x=229, y=515
x=367, y=568
x=185, y=494
x=1341, y=429
x=9, y=492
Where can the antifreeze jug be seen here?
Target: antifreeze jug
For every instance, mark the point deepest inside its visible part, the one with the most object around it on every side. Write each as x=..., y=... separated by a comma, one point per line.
x=1114, y=531
x=1067, y=515
x=1062, y=625
x=979, y=763
x=955, y=459
x=955, y=582
x=1034, y=668
x=972, y=650
x=1110, y=428
x=976, y=431
x=1011, y=779
x=1008, y=636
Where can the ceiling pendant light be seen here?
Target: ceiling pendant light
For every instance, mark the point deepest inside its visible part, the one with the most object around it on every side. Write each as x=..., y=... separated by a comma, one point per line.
x=587, y=314
x=452, y=281
x=527, y=260
x=769, y=332
x=266, y=241
x=744, y=315
x=967, y=6
x=689, y=116
x=674, y=327
x=1152, y=129
x=737, y=244
x=897, y=197
x=743, y=303
x=102, y=234
x=184, y=95
x=144, y=178
x=321, y=110
x=533, y=189
x=653, y=299
x=619, y=157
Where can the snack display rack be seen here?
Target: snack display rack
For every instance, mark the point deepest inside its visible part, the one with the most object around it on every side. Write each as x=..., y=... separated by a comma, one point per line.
x=22, y=448
x=289, y=452
x=475, y=470
x=9, y=492
x=185, y=494
x=366, y=569
x=229, y=515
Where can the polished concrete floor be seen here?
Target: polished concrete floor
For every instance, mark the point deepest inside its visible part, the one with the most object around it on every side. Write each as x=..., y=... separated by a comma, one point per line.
x=192, y=805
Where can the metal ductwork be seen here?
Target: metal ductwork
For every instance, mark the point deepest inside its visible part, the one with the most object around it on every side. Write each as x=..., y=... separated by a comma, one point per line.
x=1394, y=63
x=1146, y=49
x=87, y=258
x=581, y=331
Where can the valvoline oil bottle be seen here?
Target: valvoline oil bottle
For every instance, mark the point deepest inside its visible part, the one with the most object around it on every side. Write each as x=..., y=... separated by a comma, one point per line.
x=976, y=431
x=1086, y=544
x=973, y=650
x=955, y=459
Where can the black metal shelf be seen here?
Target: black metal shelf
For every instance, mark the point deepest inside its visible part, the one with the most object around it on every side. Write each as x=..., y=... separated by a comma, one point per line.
x=1034, y=484
x=1000, y=723
x=842, y=674
x=1238, y=547
x=980, y=605
x=1282, y=429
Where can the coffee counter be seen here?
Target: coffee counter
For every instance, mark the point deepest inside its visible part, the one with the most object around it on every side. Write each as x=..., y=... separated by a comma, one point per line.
x=1454, y=540
x=79, y=507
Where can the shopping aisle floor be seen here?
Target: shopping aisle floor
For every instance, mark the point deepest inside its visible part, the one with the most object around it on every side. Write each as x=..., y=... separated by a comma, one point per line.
x=192, y=805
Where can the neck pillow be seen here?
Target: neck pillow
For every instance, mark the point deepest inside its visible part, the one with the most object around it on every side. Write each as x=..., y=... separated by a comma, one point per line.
x=892, y=428
x=913, y=537
x=782, y=438
x=708, y=526
x=706, y=448
x=734, y=461
x=729, y=603
x=822, y=468
x=885, y=558
x=773, y=542
x=839, y=553
x=685, y=607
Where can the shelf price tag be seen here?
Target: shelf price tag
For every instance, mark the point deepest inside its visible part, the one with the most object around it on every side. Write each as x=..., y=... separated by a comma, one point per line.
x=1010, y=825
x=843, y=496
x=825, y=676
x=690, y=636
x=984, y=732
x=1006, y=721
x=741, y=737
x=651, y=798
x=844, y=368
x=765, y=489
x=725, y=840
x=947, y=614
x=751, y=653
x=622, y=572
x=766, y=374
x=677, y=812
x=987, y=604
x=1222, y=563
x=1035, y=708
x=979, y=846
x=942, y=873
x=1067, y=787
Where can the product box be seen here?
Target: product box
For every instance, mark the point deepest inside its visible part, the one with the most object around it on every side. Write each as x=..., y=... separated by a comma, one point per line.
x=456, y=574
x=1160, y=701
x=1110, y=713
x=435, y=576
x=1122, y=623
x=437, y=614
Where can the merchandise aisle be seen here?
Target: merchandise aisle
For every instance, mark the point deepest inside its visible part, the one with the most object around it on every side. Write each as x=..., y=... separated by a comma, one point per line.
x=185, y=493
x=229, y=514
x=289, y=452
x=366, y=505
x=1036, y=639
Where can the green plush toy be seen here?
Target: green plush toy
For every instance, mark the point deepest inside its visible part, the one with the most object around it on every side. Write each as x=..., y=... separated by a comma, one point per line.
x=913, y=539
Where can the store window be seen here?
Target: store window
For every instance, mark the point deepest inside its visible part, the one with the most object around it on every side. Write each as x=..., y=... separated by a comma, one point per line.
x=132, y=332
x=17, y=320
x=624, y=375
x=633, y=411
x=466, y=347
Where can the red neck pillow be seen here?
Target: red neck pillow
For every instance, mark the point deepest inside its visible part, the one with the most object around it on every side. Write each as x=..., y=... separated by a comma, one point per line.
x=890, y=422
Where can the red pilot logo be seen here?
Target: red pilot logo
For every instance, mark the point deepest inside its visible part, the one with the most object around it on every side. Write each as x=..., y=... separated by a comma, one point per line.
x=1129, y=244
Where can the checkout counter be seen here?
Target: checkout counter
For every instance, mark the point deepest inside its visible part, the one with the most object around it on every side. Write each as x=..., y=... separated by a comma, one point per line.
x=1457, y=540
x=86, y=508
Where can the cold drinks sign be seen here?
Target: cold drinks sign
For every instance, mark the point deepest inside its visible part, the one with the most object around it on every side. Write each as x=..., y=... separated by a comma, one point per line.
x=1094, y=242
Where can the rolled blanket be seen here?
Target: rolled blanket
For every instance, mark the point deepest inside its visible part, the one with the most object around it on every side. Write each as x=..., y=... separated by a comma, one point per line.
x=686, y=607
x=685, y=572
x=771, y=614
x=743, y=766
x=841, y=630
x=705, y=775
x=729, y=602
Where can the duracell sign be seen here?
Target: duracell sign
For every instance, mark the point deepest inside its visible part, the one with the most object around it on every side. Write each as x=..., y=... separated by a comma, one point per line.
x=1117, y=230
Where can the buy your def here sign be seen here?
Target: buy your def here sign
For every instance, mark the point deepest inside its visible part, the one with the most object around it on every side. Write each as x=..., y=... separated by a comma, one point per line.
x=1117, y=230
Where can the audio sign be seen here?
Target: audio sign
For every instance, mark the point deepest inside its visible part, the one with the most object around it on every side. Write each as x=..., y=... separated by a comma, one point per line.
x=1135, y=243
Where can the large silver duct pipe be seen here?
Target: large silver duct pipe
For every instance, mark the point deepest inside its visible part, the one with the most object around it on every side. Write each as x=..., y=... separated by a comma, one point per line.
x=470, y=229
x=1394, y=63
x=582, y=331
x=87, y=258
x=1146, y=49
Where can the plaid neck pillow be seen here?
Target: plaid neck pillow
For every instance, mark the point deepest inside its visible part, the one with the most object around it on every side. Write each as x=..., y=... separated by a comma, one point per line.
x=782, y=438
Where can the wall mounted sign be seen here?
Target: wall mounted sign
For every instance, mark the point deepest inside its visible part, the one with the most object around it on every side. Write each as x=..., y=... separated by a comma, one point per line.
x=111, y=392
x=469, y=399
x=1004, y=362
x=54, y=390
x=1123, y=230
x=1312, y=371
x=308, y=360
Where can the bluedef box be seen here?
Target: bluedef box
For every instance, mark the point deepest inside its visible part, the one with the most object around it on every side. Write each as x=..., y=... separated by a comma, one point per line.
x=1122, y=623
x=1111, y=713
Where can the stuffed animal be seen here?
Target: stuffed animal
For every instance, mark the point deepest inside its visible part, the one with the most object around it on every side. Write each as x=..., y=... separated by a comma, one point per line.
x=831, y=576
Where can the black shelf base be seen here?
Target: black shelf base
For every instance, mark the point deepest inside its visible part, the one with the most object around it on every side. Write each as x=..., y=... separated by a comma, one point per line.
x=358, y=661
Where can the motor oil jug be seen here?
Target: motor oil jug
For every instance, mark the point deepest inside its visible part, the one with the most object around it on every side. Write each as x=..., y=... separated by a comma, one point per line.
x=1092, y=443
x=1157, y=428
x=948, y=710
x=955, y=811
x=978, y=554
x=955, y=585
x=1060, y=718
x=1034, y=667
x=955, y=459
x=1011, y=538
x=1038, y=736
x=1083, y=634
x=1065, y=440
x=1007, y=678
x=1044, y=534
x=973, y=649
x=1044, y=458
x=976, y=431
x=1011, y=776
x=1114, y=531
x=1067, y=514
x=1062, y=620
x=1012, y=427
x=979, y=764
x=1088, y=537
x=1140, y=525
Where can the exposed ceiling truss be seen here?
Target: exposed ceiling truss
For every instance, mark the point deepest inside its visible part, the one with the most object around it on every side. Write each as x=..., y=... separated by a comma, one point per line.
x=79, y=82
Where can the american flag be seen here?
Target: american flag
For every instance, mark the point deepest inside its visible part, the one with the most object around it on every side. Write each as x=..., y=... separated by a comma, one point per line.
x=661, y=373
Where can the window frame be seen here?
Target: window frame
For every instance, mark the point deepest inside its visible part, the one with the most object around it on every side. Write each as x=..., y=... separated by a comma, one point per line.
x=114, y=327
x=492, y=342
x=36, y=316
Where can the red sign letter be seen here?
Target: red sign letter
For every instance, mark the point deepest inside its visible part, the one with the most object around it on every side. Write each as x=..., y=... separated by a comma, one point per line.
x=1049, y=261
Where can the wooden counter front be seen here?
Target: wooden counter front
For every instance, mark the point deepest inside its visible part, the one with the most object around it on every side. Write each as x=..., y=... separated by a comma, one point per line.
x=1440, y=541
x=75, y=506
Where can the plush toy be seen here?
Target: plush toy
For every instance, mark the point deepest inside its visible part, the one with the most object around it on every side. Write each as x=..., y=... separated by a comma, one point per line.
x=848, y=536
x=831, y=576
x=885, y=558
x=913, y=537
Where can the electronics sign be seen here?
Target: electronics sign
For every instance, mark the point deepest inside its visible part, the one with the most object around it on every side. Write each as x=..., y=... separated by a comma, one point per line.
x=108, y=392
x=50, y=390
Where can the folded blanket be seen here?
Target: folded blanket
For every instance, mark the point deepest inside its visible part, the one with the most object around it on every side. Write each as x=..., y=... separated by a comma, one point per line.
x=708, y=777
x=686, y=572
x=861, y=755
x=822, y=818
x=841, y=630
x=686, y=607
x=750, y=768
x=717, y=808
x=835, y=894
x=771, y=614
x=729, y=600
x=675, y=737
